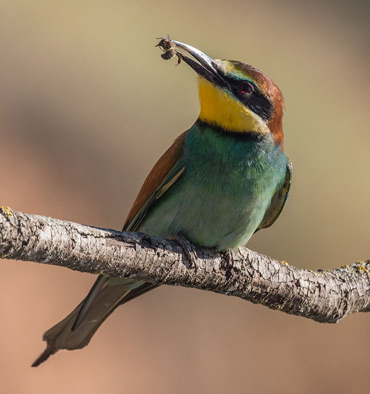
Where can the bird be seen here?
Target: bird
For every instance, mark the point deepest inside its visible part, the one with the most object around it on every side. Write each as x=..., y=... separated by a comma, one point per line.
x=220, y=181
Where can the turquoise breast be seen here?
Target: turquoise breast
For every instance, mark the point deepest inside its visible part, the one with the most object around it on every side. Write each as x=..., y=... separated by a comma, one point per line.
x=224, y=192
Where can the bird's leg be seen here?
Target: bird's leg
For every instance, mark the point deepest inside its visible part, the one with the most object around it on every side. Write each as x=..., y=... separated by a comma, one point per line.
x=186, y=246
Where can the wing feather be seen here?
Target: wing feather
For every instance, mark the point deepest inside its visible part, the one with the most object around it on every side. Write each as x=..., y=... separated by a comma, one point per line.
x=278, y=200
x=162, y=176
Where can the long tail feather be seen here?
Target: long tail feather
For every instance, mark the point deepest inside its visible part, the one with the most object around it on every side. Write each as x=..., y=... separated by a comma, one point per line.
x=69, y=335
x=90, y=298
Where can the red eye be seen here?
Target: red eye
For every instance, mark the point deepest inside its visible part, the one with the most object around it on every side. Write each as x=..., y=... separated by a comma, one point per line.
x=246, y=88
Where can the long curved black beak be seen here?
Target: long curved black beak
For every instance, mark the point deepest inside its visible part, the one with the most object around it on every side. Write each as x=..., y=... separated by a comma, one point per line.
x=205, y=66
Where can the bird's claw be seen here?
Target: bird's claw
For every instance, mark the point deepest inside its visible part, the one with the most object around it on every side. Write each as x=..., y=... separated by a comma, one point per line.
x=186, y=247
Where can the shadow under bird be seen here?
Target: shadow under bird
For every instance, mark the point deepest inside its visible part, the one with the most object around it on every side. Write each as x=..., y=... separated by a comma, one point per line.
x=220, y=181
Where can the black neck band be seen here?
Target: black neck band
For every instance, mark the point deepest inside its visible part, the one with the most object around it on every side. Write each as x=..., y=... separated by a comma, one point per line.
x=237, y=135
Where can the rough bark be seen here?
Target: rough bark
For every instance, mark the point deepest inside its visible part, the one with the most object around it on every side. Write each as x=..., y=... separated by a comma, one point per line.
x=324, y=296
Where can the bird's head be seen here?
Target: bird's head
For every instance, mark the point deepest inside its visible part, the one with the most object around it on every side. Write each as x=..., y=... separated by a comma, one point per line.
x=235, y=96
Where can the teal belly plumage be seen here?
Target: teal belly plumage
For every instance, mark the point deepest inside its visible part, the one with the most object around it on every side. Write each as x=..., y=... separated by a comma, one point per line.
x=224, y=192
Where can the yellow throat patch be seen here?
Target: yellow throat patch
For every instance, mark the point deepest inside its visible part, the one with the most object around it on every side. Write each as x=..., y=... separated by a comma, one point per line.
x=220, y=109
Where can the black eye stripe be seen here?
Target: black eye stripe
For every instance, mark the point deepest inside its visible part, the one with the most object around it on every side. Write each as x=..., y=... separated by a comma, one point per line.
x=259, y=104
x=254, y=100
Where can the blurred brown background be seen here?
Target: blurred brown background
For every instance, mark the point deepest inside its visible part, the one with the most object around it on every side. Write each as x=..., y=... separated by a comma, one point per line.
x=86, y=107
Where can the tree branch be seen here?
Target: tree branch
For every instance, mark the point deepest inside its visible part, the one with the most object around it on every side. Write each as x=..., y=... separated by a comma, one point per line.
x=324, y=296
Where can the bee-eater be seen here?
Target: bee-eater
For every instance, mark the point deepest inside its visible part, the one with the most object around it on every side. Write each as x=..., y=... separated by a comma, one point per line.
x=219, y=182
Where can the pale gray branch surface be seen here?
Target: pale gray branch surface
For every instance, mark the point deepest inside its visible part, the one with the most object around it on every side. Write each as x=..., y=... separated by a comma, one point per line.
x=324, y=296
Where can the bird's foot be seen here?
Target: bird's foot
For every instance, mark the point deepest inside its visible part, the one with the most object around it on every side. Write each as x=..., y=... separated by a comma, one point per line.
x=187, y=247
